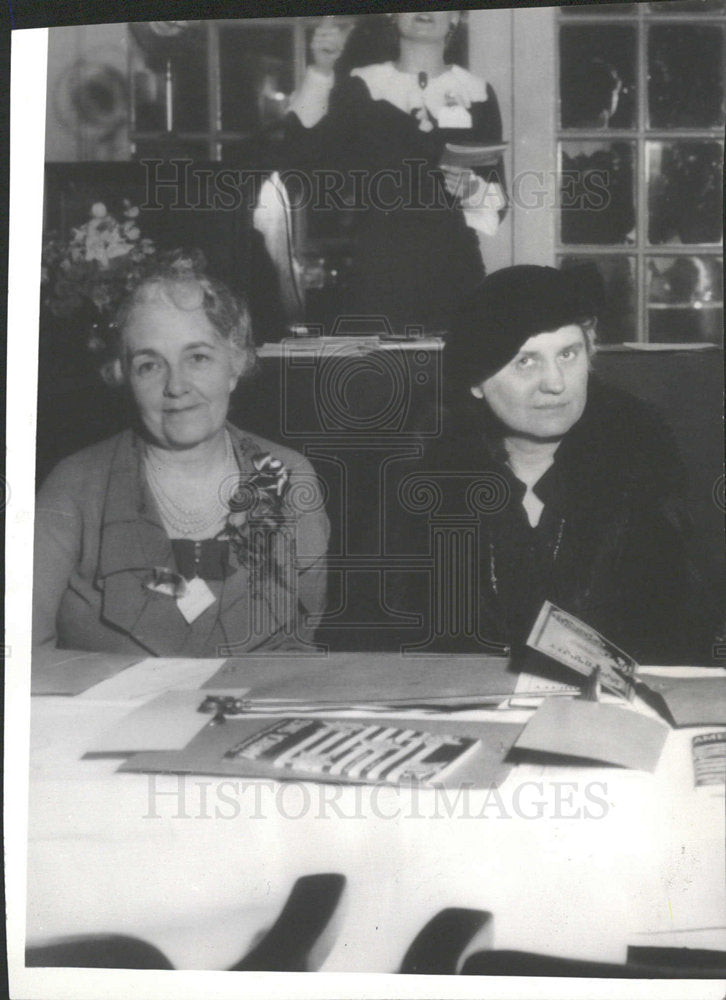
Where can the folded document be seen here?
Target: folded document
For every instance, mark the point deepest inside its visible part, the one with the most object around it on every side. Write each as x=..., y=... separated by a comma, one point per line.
x=612, y=734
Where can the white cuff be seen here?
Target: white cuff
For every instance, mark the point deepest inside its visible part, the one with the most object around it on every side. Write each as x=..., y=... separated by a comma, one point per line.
x=482, y=207
x=310, y=100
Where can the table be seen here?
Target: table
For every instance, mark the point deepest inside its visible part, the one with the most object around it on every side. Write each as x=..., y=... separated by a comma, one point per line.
x=572, y=861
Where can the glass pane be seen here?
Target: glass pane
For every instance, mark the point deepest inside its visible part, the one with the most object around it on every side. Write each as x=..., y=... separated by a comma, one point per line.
x=598, y=8
x=617, y=321
x=684, y=280
x=684, y=192
x=169, y=76
x=685, y=324
x=688, y=7
x=685, y=299
x=597, y=76
x=686, y=76
x=239, y=151
x=256, y=65
x=596, y=193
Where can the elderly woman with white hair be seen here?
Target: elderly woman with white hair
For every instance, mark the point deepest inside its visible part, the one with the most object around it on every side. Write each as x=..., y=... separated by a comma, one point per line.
x=182, y=535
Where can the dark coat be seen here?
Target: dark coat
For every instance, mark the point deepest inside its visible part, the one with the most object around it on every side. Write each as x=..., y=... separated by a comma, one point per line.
x=413, y=254
x=611, y=546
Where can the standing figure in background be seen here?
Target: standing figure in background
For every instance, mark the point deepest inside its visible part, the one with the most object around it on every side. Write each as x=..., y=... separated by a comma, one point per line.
x=385, y=127
x=592, y=92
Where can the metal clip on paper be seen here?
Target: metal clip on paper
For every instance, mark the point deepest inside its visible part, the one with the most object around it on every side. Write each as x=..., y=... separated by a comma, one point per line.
x=220, y=706
x=592, y=689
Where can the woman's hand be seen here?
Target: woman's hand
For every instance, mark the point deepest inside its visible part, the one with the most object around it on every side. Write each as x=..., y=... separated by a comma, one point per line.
x=327, y=45
x=460, y=181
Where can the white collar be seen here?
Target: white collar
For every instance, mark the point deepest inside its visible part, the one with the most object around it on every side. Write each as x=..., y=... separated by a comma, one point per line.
x=387, y=83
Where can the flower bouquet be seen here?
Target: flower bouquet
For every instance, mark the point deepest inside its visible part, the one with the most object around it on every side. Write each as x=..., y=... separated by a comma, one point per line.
x=84, y=278
x=100, y=263
x=257, y=520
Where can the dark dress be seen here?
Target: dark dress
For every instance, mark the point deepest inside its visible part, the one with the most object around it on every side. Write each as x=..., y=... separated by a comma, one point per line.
x=611, y=546
x=414, y=255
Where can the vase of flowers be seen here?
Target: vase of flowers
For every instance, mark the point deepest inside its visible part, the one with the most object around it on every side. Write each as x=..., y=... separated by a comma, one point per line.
x=85, y=277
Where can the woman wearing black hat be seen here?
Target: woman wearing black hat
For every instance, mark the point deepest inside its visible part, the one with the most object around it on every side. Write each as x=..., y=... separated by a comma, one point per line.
x=585, y=507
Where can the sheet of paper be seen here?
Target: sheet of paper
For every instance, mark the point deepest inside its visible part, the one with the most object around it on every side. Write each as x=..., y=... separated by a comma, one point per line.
x=368, y=678
x=154, y=676
x=54, y=673
x=565, y=638
x=531, y=684
x=613, y=734
x=531, y=689
x=168, y=722
x=688, y=672
x=698, y=701
x=195, y=600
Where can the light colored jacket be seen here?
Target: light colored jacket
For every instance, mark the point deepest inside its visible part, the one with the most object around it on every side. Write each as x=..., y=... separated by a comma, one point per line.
x=98, y=537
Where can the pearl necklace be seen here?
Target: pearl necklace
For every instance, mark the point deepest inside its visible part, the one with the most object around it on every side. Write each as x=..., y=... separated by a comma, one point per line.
x=184, y=521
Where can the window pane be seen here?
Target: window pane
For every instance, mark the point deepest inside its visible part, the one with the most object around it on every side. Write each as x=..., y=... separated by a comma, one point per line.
x=685, y=324
x=596, y=193
x=685, y=299
x=616, y=322
x=256, y=75
x=688, y=7
x=171, y=149
x=597, y=75
x=686, y=76
x=684, y=192
x=240, y=151
x=684, y=280
x=169, y=77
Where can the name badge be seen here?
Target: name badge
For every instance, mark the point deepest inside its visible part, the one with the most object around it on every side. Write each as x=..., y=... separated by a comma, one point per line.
x=195, y=600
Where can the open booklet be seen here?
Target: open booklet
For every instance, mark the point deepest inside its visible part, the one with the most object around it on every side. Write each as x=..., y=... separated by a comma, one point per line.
x=565, y=638
x=348, y=749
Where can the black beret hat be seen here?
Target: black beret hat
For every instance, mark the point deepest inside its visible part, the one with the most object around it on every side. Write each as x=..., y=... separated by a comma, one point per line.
x=512, y=305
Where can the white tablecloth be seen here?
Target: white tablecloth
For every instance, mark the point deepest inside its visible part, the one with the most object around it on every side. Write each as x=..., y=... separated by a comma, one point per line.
x=201, y=870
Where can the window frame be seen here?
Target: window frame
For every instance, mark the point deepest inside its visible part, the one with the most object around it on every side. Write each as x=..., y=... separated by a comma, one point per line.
x=642, y=18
